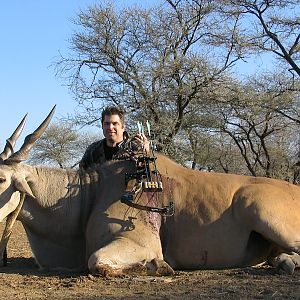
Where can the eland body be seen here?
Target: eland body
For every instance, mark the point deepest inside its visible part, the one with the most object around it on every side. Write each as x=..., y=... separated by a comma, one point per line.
x=74, y=219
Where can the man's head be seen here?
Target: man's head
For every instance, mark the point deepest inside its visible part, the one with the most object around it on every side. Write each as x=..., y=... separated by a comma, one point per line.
x=113, y=125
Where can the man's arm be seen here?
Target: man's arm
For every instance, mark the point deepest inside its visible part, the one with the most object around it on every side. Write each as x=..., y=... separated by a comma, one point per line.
x=87, y=158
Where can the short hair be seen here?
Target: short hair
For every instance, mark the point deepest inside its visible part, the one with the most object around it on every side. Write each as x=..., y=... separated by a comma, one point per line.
x=113, y=110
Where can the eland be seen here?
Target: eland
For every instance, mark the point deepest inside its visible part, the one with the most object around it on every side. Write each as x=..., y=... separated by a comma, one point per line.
x=74, y=219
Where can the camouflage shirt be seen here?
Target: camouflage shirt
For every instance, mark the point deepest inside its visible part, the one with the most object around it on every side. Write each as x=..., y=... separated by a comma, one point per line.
x=97, y=153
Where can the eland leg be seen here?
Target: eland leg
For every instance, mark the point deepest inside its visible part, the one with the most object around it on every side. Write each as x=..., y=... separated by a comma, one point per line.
x=273, y=212
x=116, y=259
x=285, y=263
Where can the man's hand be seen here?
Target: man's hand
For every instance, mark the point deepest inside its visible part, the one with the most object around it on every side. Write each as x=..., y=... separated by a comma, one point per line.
x=142, y=140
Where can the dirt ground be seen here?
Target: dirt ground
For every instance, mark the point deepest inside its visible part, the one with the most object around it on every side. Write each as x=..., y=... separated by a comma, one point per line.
x=21, y=279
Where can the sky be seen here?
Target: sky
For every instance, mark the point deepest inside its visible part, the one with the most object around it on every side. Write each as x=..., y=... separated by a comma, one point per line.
x=33, y=33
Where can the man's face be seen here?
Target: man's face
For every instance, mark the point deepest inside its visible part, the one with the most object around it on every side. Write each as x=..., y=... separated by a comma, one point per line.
x=113, y=130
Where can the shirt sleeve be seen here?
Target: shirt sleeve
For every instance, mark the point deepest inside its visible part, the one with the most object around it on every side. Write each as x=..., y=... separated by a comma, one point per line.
x=87, y=158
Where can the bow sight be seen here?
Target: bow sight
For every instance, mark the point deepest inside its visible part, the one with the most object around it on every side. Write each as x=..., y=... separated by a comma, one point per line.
x=146, y=179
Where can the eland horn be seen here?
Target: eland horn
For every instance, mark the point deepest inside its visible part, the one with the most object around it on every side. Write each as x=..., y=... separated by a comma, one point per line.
x=23, y=153
x=10, y=142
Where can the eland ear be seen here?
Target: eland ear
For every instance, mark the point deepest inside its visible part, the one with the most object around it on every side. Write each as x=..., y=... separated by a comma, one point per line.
x=22, y=186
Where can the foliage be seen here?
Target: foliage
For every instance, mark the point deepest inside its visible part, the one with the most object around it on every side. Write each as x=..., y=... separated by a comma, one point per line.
x=60, y=145
x=152, y=62
x=268, y=26
x=171, y=64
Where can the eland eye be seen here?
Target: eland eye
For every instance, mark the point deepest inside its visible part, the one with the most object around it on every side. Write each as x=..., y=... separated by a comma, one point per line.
x=2, y=179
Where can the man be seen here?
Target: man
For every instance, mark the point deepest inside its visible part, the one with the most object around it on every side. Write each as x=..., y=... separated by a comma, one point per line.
x=113, y=126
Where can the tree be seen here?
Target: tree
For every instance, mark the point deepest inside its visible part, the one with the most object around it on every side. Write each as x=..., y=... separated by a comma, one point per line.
x=171, y=65
x=248, y=116
x=268, y=26
x=60, y=145
x=154, y=62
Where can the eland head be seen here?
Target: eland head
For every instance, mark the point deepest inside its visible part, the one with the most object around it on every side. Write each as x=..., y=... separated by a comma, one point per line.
x=13, y=183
